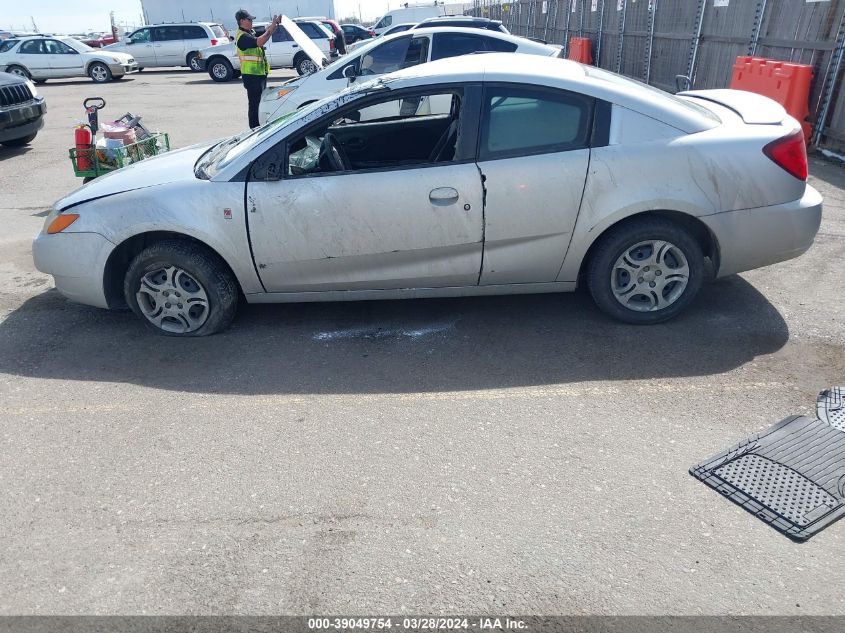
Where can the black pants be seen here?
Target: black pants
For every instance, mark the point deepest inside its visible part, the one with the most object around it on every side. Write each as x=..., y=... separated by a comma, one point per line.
x=255, y=85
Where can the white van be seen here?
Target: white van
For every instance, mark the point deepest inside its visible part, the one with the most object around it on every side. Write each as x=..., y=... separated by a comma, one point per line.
x=409, y=13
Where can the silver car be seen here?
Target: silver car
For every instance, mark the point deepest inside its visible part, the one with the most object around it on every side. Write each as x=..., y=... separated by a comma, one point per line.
x=478, y=175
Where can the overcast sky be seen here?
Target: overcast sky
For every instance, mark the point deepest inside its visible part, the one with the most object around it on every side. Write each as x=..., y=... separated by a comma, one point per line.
x=74, y=16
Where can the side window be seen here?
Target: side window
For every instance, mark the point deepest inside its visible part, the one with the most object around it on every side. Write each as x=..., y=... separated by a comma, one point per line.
x=500, y=46
x=364, y=138
x=281, y=35
x=167, y=33
x=417, y=52
x=455, y=44
x=54, y=47
x=141, y=35
x=8, y=45
x=312, y=31
x=32, y=47
x=519, y=122
x=194, y=33
x=386, y=58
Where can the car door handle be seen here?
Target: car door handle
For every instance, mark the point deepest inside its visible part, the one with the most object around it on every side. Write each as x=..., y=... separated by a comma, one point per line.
x=295, y=46
x=443, y=196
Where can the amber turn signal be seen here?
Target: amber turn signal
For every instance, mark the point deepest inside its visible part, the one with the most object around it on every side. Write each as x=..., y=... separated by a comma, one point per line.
x=61, y=222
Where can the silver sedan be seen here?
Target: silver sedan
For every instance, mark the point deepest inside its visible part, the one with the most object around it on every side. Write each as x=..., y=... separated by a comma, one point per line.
x=478, y=175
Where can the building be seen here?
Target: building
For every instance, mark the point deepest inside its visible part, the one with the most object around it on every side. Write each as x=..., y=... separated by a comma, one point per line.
x=157, y=11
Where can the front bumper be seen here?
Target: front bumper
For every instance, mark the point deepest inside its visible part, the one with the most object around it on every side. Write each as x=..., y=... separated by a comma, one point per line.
x=753, y=238
x=22, y=120
x=77, y=262
x=123, y=69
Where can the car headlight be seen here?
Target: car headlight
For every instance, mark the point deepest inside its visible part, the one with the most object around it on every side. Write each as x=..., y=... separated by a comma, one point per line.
x=115, y=60
x=279, y=93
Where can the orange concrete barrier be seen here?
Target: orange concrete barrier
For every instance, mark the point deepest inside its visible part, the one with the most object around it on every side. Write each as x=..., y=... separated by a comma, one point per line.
x=580, y=50
x=785, y=82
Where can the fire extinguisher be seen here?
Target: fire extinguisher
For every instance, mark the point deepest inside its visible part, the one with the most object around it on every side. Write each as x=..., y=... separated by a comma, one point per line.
x=84, y=148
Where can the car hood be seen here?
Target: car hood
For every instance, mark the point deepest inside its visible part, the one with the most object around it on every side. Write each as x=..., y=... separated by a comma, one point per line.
x=161, y=170
x=107, y=51
x=305, y=43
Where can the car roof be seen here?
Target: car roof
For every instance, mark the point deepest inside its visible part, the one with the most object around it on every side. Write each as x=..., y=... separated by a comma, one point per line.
x=508, y=37
x=555, y=72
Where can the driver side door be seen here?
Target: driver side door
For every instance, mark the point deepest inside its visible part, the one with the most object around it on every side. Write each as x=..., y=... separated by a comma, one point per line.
x=140, y=46
x=398, y=215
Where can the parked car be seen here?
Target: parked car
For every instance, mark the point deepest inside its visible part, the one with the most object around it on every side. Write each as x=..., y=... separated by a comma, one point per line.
x=98, y=41
x=41, y=58
x=355, y=33
x=321, y=35
x=399, y=28
x=176, y=44
x=494, y=174
x=333, y=27
x=407, y=14
x=465, y=21
x=289, y=47
x=21, y=110
x=387, y=54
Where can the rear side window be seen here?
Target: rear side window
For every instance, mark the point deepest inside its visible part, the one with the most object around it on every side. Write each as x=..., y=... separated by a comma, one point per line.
x=32, y=47
x=386, y=58
x=280, y=35
x=8, y=45
x=219, y=31
x=312, y=31
x=167, y=33
x=455, y=44
x=194, y=33
x=519, y=122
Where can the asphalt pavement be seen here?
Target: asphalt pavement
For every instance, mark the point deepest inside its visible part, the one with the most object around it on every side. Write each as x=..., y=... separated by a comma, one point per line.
x=519, y=455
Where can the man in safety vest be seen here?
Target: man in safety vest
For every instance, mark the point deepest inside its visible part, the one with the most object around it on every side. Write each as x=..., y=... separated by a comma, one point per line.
x=254, y=64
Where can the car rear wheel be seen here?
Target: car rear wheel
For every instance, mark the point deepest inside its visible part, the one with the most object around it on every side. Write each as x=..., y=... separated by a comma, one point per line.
x=305, y=65
x=19, y=71
x=645, y=271
x=99, y=73
x=221, y=70
x=20, y=142
x=178, y=288
x=193, y=62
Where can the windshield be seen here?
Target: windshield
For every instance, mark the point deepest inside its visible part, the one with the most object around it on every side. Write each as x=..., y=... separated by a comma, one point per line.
x=345, y=60
x=224, y=153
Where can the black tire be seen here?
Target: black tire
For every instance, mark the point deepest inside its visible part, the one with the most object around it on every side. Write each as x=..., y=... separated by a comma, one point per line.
x=40, y=82
x=602, y=272
x=99, y=73
x=140, y=69
x=204, y=266
x=220, y=69
x=302, y=63
x=20, y=71
x=20, y=142
x=192, y=63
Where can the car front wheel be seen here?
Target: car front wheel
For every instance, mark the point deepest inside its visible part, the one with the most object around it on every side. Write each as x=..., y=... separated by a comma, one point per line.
x=179, y=288
x=645, y=271
x=18, y=71
x=99, y=73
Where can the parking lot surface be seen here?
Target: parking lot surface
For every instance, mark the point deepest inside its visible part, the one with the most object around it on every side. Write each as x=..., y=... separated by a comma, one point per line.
x=519, y=455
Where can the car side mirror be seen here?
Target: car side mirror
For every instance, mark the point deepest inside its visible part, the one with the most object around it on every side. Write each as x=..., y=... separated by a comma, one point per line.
x=349, y=72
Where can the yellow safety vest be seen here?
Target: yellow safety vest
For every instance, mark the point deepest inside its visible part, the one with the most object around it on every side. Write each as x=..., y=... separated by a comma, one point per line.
x=253, y=61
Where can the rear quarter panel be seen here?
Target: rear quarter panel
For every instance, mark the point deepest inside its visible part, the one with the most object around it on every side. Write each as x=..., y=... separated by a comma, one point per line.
x=649, y=166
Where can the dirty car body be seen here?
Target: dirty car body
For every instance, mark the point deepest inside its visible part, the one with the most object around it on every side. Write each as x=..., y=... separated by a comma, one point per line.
x=509, y=178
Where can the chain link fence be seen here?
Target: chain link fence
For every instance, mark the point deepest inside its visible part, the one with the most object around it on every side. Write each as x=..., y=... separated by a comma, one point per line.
x=657, y=40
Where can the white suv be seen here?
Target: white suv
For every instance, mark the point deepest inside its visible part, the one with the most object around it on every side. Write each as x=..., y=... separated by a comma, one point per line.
x=41, y=58
x=287, y=48
x=174, y=44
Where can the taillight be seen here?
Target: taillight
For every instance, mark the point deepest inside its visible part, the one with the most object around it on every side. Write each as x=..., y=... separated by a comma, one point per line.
x=214, y=42
x=372, y=33
x=331, y=45
x=789, y=153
